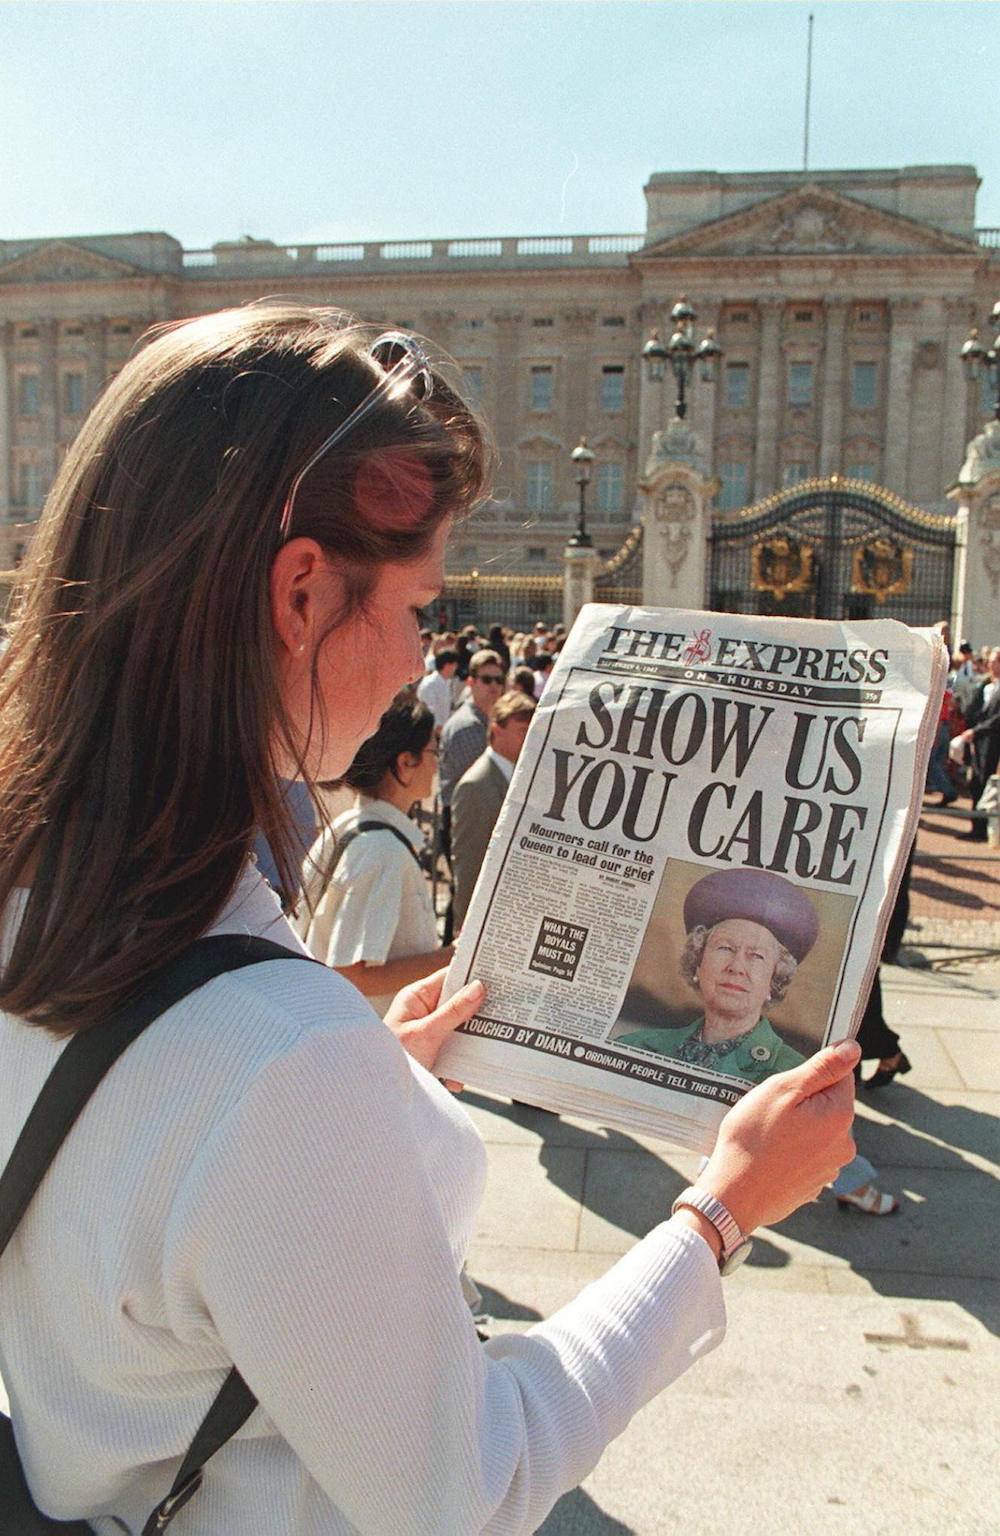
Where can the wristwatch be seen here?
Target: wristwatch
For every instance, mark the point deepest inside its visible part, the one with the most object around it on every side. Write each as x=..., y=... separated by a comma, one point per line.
x=735, y=1246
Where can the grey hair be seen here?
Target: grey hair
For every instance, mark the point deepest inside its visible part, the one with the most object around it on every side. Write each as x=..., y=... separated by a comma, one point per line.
x=694, y=947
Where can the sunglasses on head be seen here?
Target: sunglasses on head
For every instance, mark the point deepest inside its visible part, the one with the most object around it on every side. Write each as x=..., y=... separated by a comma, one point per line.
x=407, y=371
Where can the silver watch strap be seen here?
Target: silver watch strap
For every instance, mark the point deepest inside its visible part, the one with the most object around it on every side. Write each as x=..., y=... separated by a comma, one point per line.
x=714, y=1211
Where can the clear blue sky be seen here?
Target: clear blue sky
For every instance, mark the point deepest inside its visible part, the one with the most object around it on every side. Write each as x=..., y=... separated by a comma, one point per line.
x=303, y=121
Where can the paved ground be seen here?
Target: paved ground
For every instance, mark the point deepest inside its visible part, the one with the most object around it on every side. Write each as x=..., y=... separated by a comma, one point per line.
x=857, y=1389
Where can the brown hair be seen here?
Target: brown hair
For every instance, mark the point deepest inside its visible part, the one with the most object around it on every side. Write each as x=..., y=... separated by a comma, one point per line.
x=484, y=658
x=511, y=705
x=139, y=698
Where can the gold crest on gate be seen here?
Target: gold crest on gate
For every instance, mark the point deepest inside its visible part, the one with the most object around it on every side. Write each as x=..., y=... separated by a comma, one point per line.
x=781, y=565
x=882, y=569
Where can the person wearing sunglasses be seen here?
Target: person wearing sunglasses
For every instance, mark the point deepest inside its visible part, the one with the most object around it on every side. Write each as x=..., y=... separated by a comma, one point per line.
x=224, y=590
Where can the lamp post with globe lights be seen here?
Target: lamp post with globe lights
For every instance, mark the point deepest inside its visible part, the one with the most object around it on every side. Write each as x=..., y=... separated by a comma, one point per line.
x=977, y=359
x=682, y=354
x=582, y=460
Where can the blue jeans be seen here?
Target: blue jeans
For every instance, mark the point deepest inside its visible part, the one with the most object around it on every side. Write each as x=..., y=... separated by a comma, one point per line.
x=854, y=1175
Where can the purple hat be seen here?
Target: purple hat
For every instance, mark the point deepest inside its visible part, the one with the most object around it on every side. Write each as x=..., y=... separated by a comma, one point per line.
x=758, y=896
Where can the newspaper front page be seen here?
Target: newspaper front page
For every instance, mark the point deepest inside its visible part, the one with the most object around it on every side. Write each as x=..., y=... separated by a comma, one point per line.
x=688, y=883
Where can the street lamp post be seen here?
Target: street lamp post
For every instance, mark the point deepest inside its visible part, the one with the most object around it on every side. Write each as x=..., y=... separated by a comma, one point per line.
x=582, y=460
x=682, y=354
x=976, y=358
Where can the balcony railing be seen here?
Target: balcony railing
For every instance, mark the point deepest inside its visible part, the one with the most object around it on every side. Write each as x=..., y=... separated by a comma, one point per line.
x=527, y=250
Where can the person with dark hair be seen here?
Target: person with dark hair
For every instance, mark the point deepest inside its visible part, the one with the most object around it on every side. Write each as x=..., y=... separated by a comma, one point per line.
x=495, y=642
x=982, y=734
x=434, y=688
x=223, y=591
x=747, y=932
x=523, y=679
x=367, y=907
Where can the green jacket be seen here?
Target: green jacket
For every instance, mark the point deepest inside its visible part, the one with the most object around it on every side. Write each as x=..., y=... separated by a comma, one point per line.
x=756, y=1057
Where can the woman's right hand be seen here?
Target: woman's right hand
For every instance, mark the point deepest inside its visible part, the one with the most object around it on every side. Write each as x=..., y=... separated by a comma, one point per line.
x=785, y=1140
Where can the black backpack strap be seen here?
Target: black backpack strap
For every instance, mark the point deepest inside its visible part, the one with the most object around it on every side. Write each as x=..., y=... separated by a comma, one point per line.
x=376, y=826
x=91, y=1053
x=231, y=1407
x=79, y=1069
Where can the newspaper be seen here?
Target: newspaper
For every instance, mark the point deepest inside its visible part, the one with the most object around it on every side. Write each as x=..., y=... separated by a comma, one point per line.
x=689, y=881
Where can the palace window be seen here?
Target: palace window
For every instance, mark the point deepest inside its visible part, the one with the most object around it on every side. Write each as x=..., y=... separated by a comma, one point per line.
x=30, y=486
x=800, y=383
x=72, y=394
x=28, y=394
x=538, y=487
x=733, y=494
x=794, y=473
x=737, y=384
x=613, y=320
x=537, y=554
x=610, y=488
x=863, y=470
x=542, y=389
x=803, y=316
x=541, y=321
x=613, y=388
x=864, y=386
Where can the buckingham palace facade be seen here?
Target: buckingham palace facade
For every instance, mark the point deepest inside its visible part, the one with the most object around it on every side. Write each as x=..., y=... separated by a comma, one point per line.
x=841, y=300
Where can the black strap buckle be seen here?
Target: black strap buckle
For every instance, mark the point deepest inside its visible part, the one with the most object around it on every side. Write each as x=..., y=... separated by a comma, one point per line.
x=175, y=1501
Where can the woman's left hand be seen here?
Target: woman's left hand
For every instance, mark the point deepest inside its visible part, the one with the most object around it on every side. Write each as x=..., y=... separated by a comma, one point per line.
x=422, y=1023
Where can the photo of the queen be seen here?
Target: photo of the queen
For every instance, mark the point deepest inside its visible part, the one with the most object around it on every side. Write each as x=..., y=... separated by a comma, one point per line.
x=747, y=932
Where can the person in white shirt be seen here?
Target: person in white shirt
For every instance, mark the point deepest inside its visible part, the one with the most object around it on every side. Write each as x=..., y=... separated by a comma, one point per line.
x=435, y=688
x=480, y=792
x=223, y=591
x=367, y=908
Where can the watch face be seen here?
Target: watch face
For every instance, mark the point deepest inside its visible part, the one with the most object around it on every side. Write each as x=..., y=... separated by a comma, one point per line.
x=739, y=1254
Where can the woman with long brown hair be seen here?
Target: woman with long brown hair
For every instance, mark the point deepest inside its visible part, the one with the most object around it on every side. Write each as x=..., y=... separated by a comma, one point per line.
x=223, y=592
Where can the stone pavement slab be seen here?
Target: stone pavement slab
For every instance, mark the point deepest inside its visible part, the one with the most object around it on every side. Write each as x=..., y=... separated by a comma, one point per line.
x=856, y=1390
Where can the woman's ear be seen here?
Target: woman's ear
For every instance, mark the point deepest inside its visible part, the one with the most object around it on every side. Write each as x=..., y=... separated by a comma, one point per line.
x=301, y=579
x=406, y=765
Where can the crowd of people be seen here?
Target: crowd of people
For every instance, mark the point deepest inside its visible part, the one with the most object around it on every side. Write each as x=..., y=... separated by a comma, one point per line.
x=966, y=751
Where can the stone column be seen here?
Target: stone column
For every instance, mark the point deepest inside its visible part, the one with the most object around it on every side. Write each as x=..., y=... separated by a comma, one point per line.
x=895, y=473
x=655, y=406
x=507, y=323
x=50, y=403
x=677, y=521
x=703, y=396
x=832, y=421
x=769, y=392
x=579, y=569
x=960, y=315
x=977, y=554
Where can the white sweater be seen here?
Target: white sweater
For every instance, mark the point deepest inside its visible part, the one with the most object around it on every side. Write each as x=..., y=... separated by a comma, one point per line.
x=264, y=1177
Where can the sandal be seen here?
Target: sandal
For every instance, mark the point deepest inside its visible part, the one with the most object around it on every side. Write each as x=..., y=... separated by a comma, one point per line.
x=870, y=1200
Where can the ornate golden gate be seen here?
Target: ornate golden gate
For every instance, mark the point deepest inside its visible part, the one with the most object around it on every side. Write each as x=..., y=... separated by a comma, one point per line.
x=833, y=549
